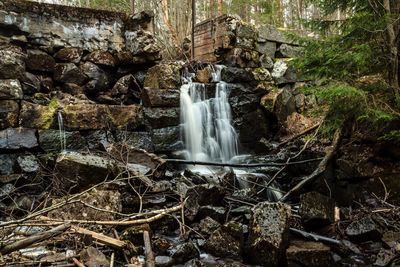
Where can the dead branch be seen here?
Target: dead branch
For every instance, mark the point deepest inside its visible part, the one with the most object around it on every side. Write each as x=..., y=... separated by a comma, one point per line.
x=251, y=165
x=306, y=131
x=34, y=239
x=77, y=262
x=321, y=167
x=103, y=239
x=150, y=261
x=316, y=237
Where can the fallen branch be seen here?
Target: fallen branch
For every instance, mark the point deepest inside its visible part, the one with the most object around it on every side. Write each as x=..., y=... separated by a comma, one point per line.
x=306, y=131
x=77, y=262
x=103, y=239
x=321, y=167
x=250, y=165
x=315, y=237
x=34, y=239
x=150, y=261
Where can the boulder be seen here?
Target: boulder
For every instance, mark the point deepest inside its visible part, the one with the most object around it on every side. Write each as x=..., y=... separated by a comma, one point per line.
x=30, y=84
x=72, y=89
x=244, y=104
x=203, y=76
x=236, y=75
x=364, y=229
x=266, y=62
x=289, y=51
x=10, y=90
x=46, y=84
x=208, y=226
x=283, y=73
x=316, y=210
x=103, y=58
x=262, y=75
x=161, y=98
x=223, y=244
x=50, y=140
x=69, y=54
x=18, y=138
x=82, y=116
x=12, y=62
x=7, y=163
x=9, y=112
x=242, y=58
x=185, y=252
x=284, y=105
x=297, y=123
x=252, y=126
x=167, y=139
x=126, y=85
x=40, y=61
x=162, y=117
x=141, y=140
x=269, y=233
x=38, y=116
x=143, y=46
x=271, y=33
x=266, y=48
x=99, y=79
x=164, y=76
x=310, y=254
x=69, y=73
x=28, y=163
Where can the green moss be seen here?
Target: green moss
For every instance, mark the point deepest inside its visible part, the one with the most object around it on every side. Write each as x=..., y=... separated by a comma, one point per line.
x=46, y=115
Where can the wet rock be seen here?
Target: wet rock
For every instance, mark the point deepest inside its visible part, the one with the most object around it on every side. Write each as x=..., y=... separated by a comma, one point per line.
x=162, y=117
x=50, y=140
x=216, y=213
x=163, y=76
x=262, y=74
x=208, y=225
x=185, y=252
x=203, y=76
x=167, y=139
x=164, y=261
x=40, y=61
x=17, y=138
x=38, y=116
x=223, y=244
x=30, y=84
x=140, y=140
x=385, y=257
x=244, y=104
x=284, y=105
x=7, y=164
x=9, y=111
x=99, y=79
x=69, y=73
x=201, y=195
x=127, y=85
x=69, y=54
x=6, y=190
x=10, y=90
x=252, y=126
x=79, y=171
x=364, y=229
x=289, y=51
x=245, y=194
x=143, y=46
x=91, y=257
x=310, y=254
x=28, y=163
x=269, y=233
x=12, y=63
x=236, y=75
x=94, y=117
x=161, y=98
x=102, y=58
x=267, y=48
x=316, y=210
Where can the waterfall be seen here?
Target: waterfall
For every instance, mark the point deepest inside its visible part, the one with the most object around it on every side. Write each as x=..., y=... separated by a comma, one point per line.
x=63, y=143
x=207, y=130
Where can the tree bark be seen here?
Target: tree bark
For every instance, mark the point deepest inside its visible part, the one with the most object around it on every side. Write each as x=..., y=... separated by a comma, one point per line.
x=133, y=7
x=220, y=7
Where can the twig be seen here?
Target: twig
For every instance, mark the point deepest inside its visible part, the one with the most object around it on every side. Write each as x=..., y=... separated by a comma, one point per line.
x=103, y=239
x=316, y=237
x=77, y=262
x=112, y=259
x=321, y=167
x=34, y=239
x=150, y=261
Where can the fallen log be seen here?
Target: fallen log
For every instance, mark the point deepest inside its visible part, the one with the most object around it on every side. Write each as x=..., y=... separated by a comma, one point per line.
x=233, y=165
x=34, y=239
x=321, y=167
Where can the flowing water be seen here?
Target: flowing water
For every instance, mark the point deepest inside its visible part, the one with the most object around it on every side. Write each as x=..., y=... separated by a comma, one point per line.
x=63, y=143
x=207, y=130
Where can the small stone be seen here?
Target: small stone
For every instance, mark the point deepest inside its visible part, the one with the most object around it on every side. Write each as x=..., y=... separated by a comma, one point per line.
x=222, y=244
x=266, y=62
x=10, y=89
x=283, y=73
x=92, y=257
x=208, y=225
x=363, y=229
x=310, y=254
x=316, y=210
x=69, y=54
x=185, y=252
x=28, y=163
x=40, y=61
x=164, y=261
x=269, y=233
x=69, y=73
x=6, y=190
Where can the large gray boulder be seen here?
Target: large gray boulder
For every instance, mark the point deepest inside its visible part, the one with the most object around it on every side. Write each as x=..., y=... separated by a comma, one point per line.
x=283, y=73
x=12, y=62
x=269, y=233
x=18, y=138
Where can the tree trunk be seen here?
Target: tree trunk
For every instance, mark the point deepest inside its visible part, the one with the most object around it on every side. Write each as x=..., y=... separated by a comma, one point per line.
x=133, y=7
x=392, y=43
x=220, y=7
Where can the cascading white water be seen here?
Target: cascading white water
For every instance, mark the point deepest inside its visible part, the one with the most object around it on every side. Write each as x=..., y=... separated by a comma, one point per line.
x=207, y=130
x=63, y=143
